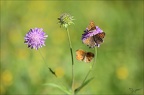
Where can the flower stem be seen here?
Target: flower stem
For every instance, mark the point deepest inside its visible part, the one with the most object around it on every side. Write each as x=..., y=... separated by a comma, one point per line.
x=70, y=45
x=95, y=50
x=86, y=76
x=47, y=65
x=72, y=87
x=91, y=67
x=60, y=81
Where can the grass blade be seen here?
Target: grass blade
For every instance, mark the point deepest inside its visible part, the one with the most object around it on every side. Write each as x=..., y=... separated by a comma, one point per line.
x=84, y=84
x=59, y=87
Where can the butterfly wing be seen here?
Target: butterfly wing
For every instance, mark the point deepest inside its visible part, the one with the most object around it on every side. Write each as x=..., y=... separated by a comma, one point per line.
x=91, y=26
x=94, y=40
x=98, y=38
x=101, y=35
x=89, y=42
x=80, y=54
x=89, y=56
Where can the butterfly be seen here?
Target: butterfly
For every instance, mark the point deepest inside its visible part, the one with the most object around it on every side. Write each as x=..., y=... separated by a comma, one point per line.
x=90, y=27
x=82, y=55
x=95, y=40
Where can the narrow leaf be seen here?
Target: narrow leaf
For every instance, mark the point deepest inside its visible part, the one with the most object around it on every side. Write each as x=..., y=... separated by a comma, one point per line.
x=59, y=87
x=52, y=72
x=84, y=84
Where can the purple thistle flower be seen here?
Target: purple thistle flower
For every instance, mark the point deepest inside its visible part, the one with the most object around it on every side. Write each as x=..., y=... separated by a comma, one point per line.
x=94, y=37
x=91, y=33
x=35, y=38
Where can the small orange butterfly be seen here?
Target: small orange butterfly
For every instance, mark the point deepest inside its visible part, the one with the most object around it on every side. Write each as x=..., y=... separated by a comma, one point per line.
x=91, y=26
x=81, y=55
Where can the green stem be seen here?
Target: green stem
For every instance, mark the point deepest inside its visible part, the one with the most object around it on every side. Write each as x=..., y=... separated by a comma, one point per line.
x=72, y=87
x=86, y=76
x=70, y=45
x=91, y=67
x=47, y=65
x=59, y=81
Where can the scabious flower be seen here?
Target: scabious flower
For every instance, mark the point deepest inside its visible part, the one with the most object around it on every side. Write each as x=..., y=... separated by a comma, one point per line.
x=65, y=20
x=91, y=33
x=35, y=38
x=93, y=37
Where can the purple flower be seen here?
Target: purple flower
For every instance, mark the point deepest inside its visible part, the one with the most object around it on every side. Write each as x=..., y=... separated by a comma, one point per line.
x=35, y=38
x=93, y=37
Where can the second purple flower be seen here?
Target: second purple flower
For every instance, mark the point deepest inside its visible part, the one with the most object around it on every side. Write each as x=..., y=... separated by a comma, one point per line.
x=93, y=36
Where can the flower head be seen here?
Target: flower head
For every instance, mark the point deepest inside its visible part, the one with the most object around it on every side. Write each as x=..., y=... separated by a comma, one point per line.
x=35, y=38
x=65, y=20
x=93, y=37
x=91, y=33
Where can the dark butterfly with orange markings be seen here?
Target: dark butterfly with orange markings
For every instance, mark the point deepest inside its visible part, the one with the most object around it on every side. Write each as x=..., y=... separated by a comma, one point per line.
x=95, y=40
x=82, y=55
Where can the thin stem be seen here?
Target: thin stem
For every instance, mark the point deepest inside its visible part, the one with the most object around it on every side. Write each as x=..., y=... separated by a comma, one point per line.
x=72, y=87
x=95, y=50
x=70, y=45
x=91, y=67
x=60, y=81
x=86, y=76
x=47, y=65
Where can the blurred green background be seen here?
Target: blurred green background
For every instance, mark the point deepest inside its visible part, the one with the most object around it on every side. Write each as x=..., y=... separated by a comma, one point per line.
x=119, y=64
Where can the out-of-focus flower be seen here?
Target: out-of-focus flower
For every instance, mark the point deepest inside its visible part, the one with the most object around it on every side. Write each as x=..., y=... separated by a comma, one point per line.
x=59, y=72
x=2, y=89
x=7, y=78
x=35, y=38
x=122, y=73
x=93, y=37
x=65, y=20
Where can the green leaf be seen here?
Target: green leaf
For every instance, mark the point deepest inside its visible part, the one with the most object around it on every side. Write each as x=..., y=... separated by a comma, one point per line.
x=59, y=87
x=84, y=84
x=52, y=72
